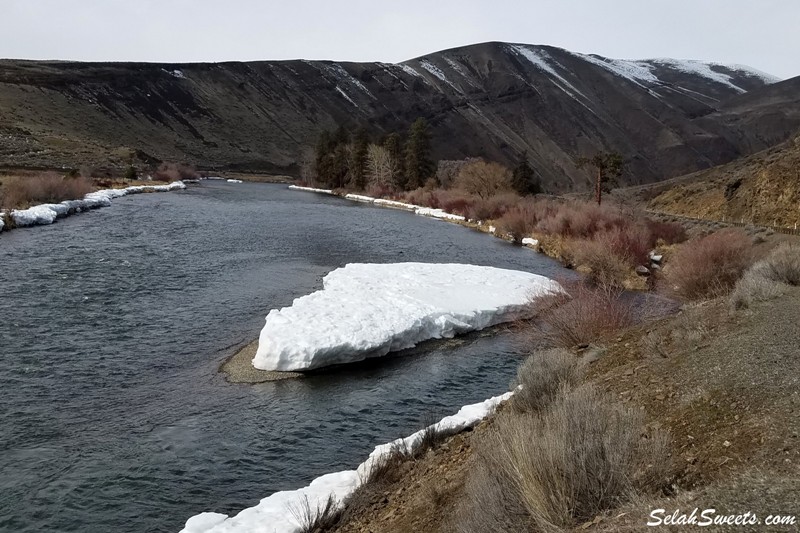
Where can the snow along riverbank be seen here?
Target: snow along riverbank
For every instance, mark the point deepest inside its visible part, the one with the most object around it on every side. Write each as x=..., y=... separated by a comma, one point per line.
x=276, y=513
x=369, y=310
x=416, y=209
x=48, y=213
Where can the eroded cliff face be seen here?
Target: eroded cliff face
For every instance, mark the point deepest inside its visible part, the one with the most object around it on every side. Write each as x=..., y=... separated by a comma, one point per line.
x=496, y=100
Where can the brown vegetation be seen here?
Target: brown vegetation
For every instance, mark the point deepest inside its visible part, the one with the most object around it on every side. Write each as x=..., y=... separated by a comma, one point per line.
x=709, y=266
x=582, y=316
x=46, y=188
x=483, y=179
x=170, y=172
x=769, y=277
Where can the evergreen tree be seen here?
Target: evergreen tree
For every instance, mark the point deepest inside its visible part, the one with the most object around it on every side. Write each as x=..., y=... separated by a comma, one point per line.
x=524, y=179
x=417, y=156
x=358, y=160
x=606, y=166
x=322, y=157
x=394, y=145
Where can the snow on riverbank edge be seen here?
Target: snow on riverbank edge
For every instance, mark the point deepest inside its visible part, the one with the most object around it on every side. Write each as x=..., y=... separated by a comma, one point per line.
x=48, y=213
x=416, y=209
x=275, y=513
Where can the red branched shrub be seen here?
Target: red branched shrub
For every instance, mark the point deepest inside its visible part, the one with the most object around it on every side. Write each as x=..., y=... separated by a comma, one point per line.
x=582, y=316
x=709, y=266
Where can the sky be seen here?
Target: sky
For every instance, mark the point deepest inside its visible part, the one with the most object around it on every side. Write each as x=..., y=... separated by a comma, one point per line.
x=762, y=34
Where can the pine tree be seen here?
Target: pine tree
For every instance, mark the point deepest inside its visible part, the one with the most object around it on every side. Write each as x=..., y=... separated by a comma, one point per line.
x=358, y=160
x=606, y=166
x=394, y=145
x=417, y=156
x=524, y=179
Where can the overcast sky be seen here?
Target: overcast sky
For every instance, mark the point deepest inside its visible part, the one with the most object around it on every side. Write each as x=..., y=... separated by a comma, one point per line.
x=764, y=34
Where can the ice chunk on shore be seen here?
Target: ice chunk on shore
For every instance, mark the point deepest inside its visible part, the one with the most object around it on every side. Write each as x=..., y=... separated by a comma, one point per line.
x=276, y=513
x=369, y=310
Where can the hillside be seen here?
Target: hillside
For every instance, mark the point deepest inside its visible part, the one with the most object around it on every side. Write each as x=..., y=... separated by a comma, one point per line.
x=763, y=188
x=496, y=100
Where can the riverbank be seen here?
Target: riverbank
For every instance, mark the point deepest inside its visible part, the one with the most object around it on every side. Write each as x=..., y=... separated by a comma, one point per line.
x=44, y=214
x=720, y=384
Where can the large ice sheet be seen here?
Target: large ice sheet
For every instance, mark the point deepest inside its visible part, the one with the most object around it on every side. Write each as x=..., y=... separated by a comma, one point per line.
x=47, y=213
x=369, y=310
x=276, y=513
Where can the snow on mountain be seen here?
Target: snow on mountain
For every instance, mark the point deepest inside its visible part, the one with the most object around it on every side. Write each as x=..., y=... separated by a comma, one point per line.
x=542, y=60
x=276, y=513
x=369, y=310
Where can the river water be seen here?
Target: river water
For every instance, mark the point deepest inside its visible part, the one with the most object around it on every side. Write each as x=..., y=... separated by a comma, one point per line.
x=113, y=416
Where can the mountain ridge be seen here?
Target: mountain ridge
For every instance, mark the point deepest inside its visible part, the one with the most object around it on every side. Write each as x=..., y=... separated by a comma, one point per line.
x=497, y=100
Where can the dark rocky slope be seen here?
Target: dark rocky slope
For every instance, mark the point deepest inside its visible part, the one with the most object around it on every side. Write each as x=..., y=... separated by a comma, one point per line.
x=496, y=100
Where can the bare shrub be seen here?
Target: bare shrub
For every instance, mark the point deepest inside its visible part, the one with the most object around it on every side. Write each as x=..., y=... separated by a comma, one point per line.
x=518, y=222
x=708, y=267
x=768, y=278
x=582, y=457
x=754, y=287
x=783, y=264
x=447, y=170
x=562, y=467
x=667, y=232
x=607, y=268
x=584, y=315
x=543, y=374
x=46, y=188
x=317, y=518
x=483, y=179
x=174, y=172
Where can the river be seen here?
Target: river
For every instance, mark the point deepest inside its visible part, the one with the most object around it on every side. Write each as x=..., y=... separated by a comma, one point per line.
x=113, y=323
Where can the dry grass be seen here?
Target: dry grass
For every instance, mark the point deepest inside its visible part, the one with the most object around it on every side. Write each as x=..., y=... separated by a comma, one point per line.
x=543, y=374
x=46, y=188
x=710, y=266
x=584, y=315
x=606, y=267
x=317, y=518
x=768, y=278
x=562, y=466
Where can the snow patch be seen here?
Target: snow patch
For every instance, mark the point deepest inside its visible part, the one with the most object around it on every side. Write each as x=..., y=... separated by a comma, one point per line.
x=436, y=71
x=369, y=310
x=341, y=91
x=273, y=514
x=409, y=70
x=542, y=60
x=234, y=181
x=341, y=74
x=175, y=73
x=528, y=241
x=699, y=68
x=47, y=213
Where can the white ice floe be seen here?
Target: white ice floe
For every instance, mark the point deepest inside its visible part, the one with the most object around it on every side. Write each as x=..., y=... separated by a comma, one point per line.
x=528, y=241
x=234, y=181
x=274, y=514
x=2, y=220
x=47, y=213
x=369, y=310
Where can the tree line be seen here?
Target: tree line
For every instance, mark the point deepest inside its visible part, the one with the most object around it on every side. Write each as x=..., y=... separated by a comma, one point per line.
x=404, y=162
